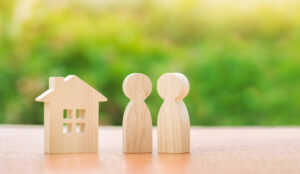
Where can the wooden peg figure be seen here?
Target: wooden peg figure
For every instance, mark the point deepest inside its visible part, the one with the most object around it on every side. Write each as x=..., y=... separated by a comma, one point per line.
x=173, y=124
x=137, y=123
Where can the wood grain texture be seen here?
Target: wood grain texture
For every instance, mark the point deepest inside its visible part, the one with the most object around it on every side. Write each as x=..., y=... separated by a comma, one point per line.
x=214, y=150
x=173, y=124
x=77, y=132
x=137, y=122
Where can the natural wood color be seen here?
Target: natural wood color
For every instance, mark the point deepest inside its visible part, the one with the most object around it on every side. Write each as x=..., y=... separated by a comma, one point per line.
x=79, y=102
x=214, y=150
x=173, y=124
x=137, y=123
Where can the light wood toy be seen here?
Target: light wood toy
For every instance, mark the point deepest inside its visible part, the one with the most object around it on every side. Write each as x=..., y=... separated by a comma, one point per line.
x=137, y=122
x=70, y=116
x=173, y=124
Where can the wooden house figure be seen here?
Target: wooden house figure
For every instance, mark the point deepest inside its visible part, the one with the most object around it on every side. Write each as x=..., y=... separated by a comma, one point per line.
x=70, y=116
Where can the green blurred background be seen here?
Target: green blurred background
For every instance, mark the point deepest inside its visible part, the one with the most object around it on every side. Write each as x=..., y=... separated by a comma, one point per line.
x=242, y=57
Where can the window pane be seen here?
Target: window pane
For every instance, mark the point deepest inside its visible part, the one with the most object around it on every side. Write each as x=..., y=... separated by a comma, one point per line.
x=67, y=114
x=80, y=127
x=67, y=128
x=80, y=113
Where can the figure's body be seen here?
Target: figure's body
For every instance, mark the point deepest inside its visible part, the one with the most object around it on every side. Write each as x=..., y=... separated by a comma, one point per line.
x=173, y=125
x=137, y=132
x=137, y=122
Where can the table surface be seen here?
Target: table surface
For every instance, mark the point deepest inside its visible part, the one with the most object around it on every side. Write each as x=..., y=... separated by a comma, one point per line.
x=213, y=150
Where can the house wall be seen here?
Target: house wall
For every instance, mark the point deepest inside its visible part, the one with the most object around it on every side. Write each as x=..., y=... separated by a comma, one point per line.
x=73, y=142
x=47, y=127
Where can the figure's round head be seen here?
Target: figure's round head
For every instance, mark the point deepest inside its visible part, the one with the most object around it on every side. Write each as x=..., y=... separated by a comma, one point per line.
x=137, y=86
x=173, y=86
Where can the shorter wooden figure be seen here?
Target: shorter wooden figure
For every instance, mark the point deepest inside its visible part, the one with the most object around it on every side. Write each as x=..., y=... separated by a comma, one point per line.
x=173, y=124
x=70, y=116
x=137, y=122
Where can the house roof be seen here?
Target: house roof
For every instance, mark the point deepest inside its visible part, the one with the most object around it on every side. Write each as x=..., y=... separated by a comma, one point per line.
x=69, y=79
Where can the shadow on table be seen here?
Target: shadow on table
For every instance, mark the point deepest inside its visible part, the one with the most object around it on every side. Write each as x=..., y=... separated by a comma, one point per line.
x=136, y=163
x=71, y=163
x=173, y=163
x=156, y=163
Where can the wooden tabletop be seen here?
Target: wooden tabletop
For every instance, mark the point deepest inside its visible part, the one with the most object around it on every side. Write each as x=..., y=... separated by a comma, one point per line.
x=213, y=150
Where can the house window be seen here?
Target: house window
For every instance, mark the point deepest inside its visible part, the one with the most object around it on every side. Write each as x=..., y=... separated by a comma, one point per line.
x=80, y=127
x=73, y=121
x=67, y=114
x=80, y=113
x=67, y=128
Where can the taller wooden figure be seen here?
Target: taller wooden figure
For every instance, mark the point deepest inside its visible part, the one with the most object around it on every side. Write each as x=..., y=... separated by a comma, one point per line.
x=70, y=116
x=173, y=124
x=137, y=122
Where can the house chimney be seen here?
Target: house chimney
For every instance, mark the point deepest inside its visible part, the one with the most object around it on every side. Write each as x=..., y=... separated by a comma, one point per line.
x=56, y=82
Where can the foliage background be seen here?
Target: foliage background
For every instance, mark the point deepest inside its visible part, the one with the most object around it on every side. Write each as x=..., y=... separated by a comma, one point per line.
x=242, y=57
